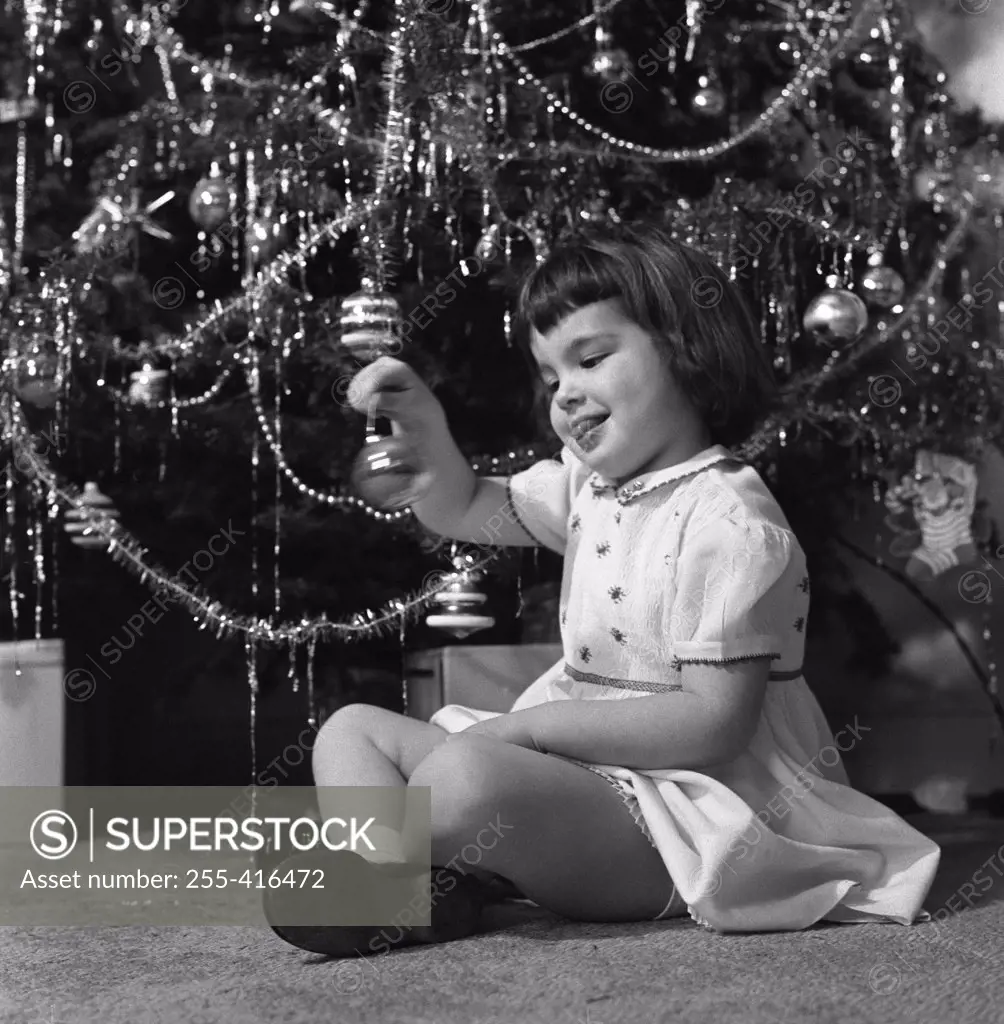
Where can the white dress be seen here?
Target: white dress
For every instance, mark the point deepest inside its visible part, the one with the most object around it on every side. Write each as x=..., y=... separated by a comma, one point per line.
x=697, y=563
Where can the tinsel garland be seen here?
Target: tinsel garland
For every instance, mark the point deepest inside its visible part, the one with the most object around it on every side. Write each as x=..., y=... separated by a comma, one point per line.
x=375, y=249
x=125, y=549
x=818, y=62
x=583, y=22
x=515, y=461
x=799, y=390
x=391, y=157
x=266, y=279
x=128, y=552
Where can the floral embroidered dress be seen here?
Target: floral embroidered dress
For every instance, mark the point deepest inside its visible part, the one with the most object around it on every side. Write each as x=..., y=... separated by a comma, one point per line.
x=696, y=563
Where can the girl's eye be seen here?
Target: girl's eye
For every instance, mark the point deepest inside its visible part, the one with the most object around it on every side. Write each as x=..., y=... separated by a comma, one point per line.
x=590, y=361
x=550, y=386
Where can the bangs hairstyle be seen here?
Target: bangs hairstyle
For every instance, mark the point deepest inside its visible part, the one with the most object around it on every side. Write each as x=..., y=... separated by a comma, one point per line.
x=698, y=319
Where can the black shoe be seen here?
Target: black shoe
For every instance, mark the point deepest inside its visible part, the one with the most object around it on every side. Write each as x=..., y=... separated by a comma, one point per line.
x=500, y=890
x=456, y=904
x=267, y=860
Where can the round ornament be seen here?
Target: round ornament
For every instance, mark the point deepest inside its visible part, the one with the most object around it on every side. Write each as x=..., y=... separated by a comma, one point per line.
x=148, y=386
x=371, y=324
x=34, y=360
x=211, y=202
x=881, y=287
x=389, y=474
x=314, y=8
x=609, y=63
x=460, y=611
x=709, y=100
x=489, y=244
x=836, y=316
x=38, y=375
x=76, y=523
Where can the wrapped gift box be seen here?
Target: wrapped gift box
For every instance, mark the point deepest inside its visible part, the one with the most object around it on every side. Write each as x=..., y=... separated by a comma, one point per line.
x=31, y=713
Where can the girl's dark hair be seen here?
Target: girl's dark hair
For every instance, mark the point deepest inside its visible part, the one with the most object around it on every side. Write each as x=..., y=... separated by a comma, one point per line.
x=697, y=317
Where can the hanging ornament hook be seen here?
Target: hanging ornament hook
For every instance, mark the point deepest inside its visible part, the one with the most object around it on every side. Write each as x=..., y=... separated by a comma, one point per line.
x=371, y=418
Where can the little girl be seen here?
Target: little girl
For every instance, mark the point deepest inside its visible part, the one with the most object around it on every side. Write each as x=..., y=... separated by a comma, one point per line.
x=674, y=761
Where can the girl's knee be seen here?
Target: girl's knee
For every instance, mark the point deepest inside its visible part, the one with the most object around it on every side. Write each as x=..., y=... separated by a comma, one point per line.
x=354, y=719
x=469, y=791
x=351, y=720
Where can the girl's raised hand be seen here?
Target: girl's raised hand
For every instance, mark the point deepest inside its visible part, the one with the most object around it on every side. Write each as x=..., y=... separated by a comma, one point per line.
x=391, y=388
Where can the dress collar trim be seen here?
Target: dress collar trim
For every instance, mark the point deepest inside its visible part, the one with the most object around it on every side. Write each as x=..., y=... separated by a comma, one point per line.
x=648, y=482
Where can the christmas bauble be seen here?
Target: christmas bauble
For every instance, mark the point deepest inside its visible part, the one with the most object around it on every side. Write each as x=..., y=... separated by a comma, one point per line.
x=38, y=382
x=836, y=316
x=881, y=287
x=371, y=323
x=35, y=357
x=460, y=602
x=609, y=63
x=211, y=202
x=314, y=8
x=490, y=244
x=38, y=375
x=709, y=100
x=76, y=523
x=148, y=386
x=459, y=609
x=389, y=474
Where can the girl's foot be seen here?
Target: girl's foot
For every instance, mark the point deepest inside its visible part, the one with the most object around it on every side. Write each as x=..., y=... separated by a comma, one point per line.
x=456, y=904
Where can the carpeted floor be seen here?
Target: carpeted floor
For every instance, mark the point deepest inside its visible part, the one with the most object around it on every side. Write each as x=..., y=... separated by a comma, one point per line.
x=532, y=967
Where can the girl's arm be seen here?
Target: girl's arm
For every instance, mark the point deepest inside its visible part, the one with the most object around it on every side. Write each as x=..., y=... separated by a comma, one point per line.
x=458, y=503
x=710, y=721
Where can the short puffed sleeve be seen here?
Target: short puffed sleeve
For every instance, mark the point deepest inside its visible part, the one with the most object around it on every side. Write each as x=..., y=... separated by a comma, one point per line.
x=541, y=497
x=736, y=587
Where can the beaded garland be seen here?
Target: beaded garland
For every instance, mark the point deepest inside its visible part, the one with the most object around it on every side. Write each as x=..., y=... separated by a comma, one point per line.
x=149, y=28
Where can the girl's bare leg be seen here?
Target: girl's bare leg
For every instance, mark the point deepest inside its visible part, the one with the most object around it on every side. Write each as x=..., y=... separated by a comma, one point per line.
x=360, y=745
x=560, y=833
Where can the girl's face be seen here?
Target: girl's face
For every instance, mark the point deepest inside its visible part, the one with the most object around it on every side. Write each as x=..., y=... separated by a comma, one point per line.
x=613, y=399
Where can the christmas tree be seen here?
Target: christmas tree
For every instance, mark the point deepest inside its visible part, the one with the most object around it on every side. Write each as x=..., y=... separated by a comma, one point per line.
x=204, y=202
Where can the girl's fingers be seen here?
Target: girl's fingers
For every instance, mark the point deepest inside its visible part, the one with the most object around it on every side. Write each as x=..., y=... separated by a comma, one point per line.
x=369, y=381
x=386, y=386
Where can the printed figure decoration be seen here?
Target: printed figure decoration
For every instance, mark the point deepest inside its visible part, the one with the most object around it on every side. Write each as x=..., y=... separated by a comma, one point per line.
x=941, y=493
